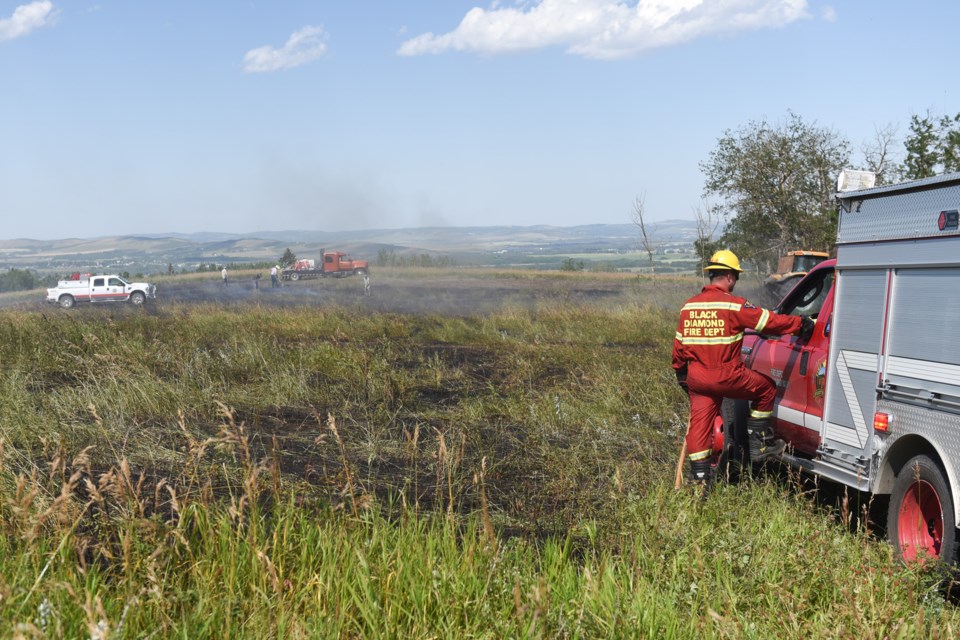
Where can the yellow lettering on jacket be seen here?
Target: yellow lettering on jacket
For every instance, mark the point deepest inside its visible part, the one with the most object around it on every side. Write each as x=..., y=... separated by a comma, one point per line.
x=704, y=323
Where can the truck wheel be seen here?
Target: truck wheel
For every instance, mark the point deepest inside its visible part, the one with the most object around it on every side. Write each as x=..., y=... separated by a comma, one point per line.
x=294, y=276
x=360, y=272
x=734, y=457
x=66, y=301
x=921, y=523
x=137, y=298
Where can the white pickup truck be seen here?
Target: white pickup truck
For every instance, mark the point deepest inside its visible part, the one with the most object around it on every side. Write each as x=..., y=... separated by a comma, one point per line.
x=87, y=288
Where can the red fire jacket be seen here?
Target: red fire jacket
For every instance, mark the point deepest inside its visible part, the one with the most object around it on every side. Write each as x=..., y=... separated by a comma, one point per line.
x=711, y=328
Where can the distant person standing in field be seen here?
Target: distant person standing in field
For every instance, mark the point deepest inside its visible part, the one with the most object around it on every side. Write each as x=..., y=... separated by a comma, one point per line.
x=274, y=280
x=223, y=275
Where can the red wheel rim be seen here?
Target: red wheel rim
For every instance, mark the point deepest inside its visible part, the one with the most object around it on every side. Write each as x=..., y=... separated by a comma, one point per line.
x=717, y=445
x=921, y=522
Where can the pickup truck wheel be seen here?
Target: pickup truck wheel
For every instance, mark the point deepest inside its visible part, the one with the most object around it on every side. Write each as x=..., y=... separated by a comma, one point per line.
x=921, y=523
x=66, y=301
x=137, y=298
x=734, y=457
x=360, y=272
x=294, y=276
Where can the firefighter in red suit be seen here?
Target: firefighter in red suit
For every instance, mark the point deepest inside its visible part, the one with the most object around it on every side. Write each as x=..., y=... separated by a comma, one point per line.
x=706, y=359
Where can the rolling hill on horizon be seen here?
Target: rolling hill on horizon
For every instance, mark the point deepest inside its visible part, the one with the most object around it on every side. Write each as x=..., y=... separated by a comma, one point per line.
x=154, y=253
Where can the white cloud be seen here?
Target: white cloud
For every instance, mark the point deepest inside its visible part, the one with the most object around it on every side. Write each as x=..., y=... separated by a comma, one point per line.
x=829, y=14
x=305, y=45
x=27, y=18
x=603, y=29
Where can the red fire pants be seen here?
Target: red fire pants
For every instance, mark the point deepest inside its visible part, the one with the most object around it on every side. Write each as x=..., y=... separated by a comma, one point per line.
x=708, y=388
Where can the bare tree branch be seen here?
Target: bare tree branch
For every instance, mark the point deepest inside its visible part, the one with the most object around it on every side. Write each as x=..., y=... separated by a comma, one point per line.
x=878, y=154
x=708, y=223
x=646, y=231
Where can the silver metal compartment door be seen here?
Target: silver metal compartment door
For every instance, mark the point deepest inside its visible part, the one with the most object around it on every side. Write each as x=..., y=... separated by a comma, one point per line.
x=923, y=351
x=852, y=376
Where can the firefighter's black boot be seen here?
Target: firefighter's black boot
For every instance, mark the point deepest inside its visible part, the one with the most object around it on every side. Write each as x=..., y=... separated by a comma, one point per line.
x=763, y=444
x=703, y=475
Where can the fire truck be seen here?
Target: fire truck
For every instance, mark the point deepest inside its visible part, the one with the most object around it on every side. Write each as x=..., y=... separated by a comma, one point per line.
x=335, y=264
x=872, y=399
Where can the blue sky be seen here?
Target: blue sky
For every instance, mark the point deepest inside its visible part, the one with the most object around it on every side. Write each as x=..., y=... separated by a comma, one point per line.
x=125, y=117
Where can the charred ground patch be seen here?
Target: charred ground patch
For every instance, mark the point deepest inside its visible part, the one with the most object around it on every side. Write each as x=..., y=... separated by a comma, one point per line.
x=430, y=381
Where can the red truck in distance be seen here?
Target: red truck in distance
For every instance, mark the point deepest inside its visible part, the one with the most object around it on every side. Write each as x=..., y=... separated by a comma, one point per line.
x=336, y=264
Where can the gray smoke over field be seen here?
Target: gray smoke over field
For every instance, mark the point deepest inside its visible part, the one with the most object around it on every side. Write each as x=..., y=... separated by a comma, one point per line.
x=238, y=290
x=453, y=296
x=449, y=295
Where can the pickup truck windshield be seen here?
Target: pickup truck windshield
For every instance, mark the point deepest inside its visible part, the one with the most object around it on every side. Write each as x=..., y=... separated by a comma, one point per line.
x=807, y=298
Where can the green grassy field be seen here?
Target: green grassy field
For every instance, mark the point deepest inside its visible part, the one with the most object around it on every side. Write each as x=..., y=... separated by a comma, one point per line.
x=359, y=470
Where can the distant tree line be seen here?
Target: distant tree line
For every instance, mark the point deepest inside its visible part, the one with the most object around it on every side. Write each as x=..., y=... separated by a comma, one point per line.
x=285, y=260
x=24, y=280
x=614, y=266
x=389, y=258
x=212, y=267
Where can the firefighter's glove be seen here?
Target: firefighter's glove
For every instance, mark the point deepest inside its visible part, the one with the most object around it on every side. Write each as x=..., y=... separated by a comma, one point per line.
x=806, y=328
x=682, y=378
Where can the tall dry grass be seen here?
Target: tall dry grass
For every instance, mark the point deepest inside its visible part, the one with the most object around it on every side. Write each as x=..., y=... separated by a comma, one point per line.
x=204, y=472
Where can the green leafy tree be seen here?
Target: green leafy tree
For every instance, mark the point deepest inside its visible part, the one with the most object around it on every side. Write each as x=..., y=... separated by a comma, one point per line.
x=386, y=257
x=705, y=248
x=777, y=185
x=948, y=144
x=932, y=147
x=288, y=257
x=923, y=155
x=570, y=264
x=18, y=280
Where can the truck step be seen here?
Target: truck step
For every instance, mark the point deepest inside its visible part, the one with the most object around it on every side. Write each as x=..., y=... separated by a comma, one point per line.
x=844, y=474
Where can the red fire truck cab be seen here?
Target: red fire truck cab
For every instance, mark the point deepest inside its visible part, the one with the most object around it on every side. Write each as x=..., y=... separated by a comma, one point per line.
x=798, y=368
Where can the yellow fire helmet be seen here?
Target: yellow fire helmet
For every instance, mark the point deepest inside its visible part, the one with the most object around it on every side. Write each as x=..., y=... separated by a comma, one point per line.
x=724, y=260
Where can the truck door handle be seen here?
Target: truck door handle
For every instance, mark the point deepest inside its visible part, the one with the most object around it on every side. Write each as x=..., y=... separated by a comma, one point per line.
x=804, y=359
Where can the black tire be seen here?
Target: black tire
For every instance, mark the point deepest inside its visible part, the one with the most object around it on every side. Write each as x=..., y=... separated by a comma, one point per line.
x=294, y=276
x=920, y=521
x=66, y=301
x=360, y=272
x=735, y=457
x=137, y=298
